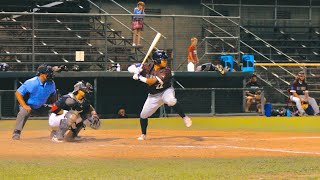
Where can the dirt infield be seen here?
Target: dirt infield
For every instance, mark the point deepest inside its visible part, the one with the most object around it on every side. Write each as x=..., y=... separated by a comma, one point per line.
x=162, y=144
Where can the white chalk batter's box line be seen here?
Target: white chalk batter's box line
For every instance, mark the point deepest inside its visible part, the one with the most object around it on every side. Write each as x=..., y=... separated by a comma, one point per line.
x=252, y=139
x=215, y=147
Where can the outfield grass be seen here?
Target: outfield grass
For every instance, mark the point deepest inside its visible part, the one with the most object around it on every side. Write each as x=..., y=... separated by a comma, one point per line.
x=175, y=168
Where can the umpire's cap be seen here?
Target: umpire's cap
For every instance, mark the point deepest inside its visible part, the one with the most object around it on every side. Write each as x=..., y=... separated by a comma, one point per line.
x=45, y=69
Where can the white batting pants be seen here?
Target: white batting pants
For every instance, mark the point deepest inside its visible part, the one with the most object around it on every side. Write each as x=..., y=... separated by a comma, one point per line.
x=154, y=101
x=311, y=101
x=54, y=119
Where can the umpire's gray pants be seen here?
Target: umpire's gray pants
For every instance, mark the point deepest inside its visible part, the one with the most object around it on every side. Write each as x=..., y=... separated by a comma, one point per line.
x=23, y=116
x=311, y=101
x=154, y=101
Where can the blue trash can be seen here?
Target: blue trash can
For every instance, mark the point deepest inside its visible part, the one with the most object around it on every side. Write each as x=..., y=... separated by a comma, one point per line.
x=267, y=109
x=227, y=60
x=248, y=63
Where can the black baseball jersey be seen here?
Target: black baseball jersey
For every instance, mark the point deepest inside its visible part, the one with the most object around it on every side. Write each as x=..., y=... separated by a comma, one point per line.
x=299, y=87
x=163, y=76
x=253, y=85
x=69, y=102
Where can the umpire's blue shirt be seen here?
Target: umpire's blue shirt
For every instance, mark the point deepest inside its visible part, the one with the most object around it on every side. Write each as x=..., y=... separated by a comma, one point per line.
x=38, y=92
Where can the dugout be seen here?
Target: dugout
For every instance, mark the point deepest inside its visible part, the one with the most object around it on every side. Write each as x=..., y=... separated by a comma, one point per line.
x=114, y=89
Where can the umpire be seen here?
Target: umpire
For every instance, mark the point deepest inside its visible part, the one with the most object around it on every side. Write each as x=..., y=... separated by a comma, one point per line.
x=32, y=96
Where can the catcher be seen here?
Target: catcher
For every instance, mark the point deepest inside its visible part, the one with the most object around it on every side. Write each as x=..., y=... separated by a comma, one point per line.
x=71, y=113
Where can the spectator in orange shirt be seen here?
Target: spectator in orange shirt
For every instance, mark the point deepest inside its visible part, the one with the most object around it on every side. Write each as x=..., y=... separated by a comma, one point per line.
x=192, y=54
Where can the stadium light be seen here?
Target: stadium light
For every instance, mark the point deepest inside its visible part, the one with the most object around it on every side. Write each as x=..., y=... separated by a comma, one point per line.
x=303, y=45
x=78, y=36
x=55, y=52
x=64, y=60
x=43, y=43
x=315, y=53
x=292, y=39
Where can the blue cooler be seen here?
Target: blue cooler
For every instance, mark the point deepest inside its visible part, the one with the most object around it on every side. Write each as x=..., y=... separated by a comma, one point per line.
x=248, y=63
x=227, y=60
x=267, y=109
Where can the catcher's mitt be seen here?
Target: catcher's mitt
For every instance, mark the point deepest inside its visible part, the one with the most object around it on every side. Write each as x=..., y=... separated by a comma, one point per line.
x=93, y=122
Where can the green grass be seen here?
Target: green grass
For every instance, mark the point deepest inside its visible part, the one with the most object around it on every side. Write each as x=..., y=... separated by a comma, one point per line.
x=174, y=168
x=243, y=168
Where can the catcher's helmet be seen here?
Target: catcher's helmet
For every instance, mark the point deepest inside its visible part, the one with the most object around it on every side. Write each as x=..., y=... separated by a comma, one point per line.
x=45, y=69
x=84, y=86
x=158, y=55
x=4, y=67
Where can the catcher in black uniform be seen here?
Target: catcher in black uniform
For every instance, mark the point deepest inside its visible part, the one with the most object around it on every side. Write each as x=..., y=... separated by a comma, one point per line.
x=72, y=112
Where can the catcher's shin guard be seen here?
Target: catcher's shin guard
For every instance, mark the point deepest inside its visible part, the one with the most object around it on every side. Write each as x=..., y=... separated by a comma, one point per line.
x=78, y=128
x=63, y=127
x=73, y=132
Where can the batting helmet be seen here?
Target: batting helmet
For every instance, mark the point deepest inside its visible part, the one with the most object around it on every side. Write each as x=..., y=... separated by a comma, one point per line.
x=45, y=69
x=84, y=86
x=158, y=55
x=4, y=67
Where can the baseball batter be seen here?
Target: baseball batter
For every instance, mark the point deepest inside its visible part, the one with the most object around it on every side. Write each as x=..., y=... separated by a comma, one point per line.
x=158, y=78
x=72, y=112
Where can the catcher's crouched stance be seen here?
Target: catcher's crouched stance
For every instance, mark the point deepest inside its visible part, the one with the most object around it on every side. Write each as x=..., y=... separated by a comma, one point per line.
x=158, y=78
x=71, y=113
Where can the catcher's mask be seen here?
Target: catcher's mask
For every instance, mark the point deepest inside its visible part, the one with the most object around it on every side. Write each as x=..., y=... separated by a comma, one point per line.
x=83, y=86
x=45, y=69
x=158, y=55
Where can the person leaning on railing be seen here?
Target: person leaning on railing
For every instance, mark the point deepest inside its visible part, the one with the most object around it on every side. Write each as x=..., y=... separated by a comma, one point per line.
x=137, y=23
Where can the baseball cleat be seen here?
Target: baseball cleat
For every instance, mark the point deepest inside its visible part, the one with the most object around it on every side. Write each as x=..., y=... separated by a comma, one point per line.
x=16, y=137
x=55, y=139
x=142, y=137
x=187, y=121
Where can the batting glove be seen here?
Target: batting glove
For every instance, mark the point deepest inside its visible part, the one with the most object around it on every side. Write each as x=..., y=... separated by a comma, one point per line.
x=136, y=76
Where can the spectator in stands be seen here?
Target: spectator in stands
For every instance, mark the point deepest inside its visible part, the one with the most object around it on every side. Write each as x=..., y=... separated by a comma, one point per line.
x=137, y=23
x=33, y=95
x=300, y=95
x=192, y=54
x=253, y=97
x=121, y=113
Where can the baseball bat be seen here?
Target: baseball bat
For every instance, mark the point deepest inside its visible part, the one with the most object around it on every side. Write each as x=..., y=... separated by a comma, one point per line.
x=154, y=42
